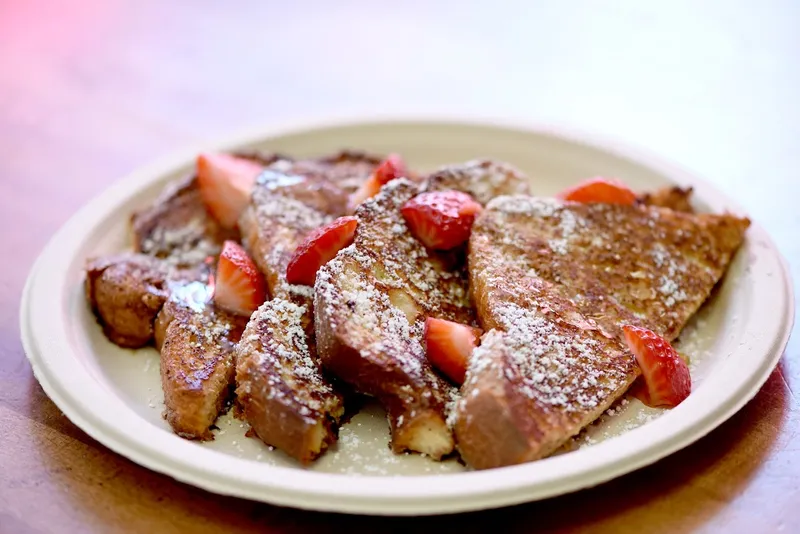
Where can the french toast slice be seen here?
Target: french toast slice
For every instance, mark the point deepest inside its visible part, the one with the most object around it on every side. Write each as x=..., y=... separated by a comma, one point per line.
x=484, y=179
x=346, y=169
x=174, y=237
x=293, y=407
x=280, y=385
x=197, y=343
x=284, y=209
x=126, y=292
x=371, y=302
x=178, y=228
x=290, y=200
x=553, y=282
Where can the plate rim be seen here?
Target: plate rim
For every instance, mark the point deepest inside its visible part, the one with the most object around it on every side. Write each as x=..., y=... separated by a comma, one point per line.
x=296, y=494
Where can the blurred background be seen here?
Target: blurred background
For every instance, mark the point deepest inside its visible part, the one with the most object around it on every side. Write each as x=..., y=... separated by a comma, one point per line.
x=114, y=83
x=91, y=89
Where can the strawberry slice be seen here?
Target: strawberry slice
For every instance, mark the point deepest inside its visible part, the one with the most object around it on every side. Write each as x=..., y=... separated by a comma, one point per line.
x=238, y=285
x=319, y=248
x=638, y=390
x=448, y=346
x=389, y=169
x=667, y=381
x=225, y=183
x=602, y=190
x=441, y=219
x=639, y=387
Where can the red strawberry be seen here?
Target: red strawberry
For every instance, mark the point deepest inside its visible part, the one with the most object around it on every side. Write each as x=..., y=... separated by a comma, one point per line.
x=238, y=286
x=602, y=190
x=441, y=219
x=366, y=190
x=639, y=391
x=319, y=248
x=225, y=183
x=665, y=373
x=389, y=169
x=448, y=346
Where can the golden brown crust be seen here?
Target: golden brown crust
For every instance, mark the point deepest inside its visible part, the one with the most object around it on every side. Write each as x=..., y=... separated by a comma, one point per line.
x=483, y=179
x=174, y=237
x=197, y=364
x=371, y=302
x=280, y=386
x=285, y=208
x=370, y=306
x=292, y=199
x=346, y=169
x=177, y=228
x=642, y=265
x=126, y=292
x=553, y=283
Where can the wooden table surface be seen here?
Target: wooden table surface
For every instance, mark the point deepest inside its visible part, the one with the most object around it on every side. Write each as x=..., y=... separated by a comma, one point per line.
x=90, y=90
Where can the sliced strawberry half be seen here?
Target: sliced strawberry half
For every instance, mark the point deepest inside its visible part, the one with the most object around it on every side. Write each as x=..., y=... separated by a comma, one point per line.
x=319, y=248
x=600, y=190
x=667, y=381
x=389, y=169
x=225, y=183
x=441, y=219
x=238, y=286
x=638, y=390
x=449, y=345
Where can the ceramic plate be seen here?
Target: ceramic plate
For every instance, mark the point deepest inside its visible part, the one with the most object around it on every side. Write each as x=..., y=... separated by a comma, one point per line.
x=115, y=394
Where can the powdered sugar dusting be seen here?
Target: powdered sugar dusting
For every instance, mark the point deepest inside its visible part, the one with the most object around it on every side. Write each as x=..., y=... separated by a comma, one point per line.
x=624, y=416
x=657, y=279
x=274, y=342
x=381, y=295
x=207, y=330
x=559, y=246
x=483, y=179
x=557, y=366
x=185, y=245
x=287, y=211
x=291, y=345
x=451, y=407
x=524, y=204
x=673, y=267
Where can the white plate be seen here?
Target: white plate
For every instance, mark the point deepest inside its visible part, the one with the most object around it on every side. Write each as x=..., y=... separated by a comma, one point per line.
x=115, y=395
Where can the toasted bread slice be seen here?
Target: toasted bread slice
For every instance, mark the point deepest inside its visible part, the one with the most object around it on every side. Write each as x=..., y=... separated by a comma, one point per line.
x=553, y=283
x=290, y=200
x=126, y=292
x=347, y=169
x=284, y=209
x=647, y=266
x=177, y=227
x=197, y=343
x=173, y=237
x=484, y=179
x=370, y=305
x=371, y=302
x=280, y=384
